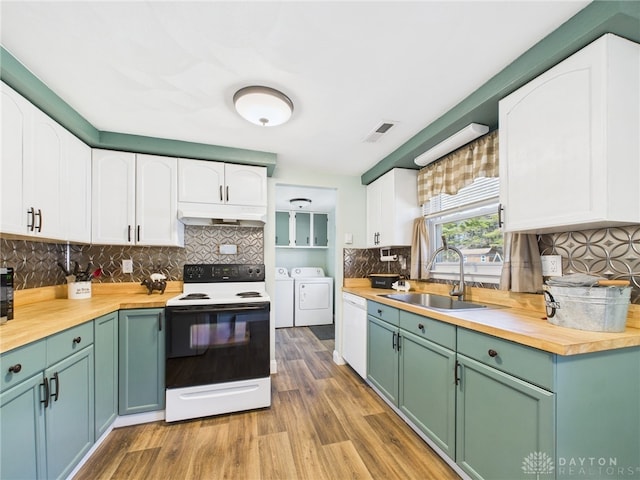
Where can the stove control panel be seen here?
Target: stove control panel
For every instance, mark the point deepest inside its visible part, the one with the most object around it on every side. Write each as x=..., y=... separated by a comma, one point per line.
x=218, y=273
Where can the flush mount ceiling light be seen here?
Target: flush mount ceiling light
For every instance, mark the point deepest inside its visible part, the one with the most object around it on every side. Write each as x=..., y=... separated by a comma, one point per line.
x=455, y=141
x=300, y=202
x=263, y=106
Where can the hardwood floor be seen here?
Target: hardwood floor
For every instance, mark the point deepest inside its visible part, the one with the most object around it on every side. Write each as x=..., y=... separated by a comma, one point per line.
x=324, y=423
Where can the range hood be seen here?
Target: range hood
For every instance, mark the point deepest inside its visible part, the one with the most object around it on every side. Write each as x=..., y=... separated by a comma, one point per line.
x=217, y=214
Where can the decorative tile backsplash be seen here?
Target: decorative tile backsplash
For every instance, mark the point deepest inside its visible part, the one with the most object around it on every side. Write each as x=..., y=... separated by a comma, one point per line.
x=613, y=253
x=35, y=263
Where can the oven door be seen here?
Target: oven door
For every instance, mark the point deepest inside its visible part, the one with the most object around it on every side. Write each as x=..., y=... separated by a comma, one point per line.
x=216, y=343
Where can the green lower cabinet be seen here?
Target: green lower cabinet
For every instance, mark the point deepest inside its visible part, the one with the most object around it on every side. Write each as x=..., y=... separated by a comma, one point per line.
x=505, y=426
x=427, y=389
x=106, y=371
x=141, y=360
x=69, y=417
x=382, y=357
x=22, y=431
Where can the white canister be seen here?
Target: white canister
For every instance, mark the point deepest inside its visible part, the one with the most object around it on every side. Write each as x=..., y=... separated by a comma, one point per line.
x=79, y=290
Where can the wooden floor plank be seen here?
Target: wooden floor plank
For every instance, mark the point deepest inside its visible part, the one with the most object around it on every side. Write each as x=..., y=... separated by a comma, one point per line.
x=343, y=460
x=276, y=459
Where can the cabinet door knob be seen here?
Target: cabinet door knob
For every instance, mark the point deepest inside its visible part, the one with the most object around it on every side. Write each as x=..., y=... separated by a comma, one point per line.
x=15, y=368
x=77, y=339
x=492, y=353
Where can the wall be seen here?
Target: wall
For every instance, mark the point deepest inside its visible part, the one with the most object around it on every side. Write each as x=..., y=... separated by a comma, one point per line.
x=35, y=262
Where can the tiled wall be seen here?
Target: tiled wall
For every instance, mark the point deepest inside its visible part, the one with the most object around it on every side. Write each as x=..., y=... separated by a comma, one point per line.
x=610, y=252
x=35, y=263
x=613, y=253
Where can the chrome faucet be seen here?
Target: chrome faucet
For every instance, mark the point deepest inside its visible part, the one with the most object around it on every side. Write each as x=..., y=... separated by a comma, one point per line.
x=460, y=291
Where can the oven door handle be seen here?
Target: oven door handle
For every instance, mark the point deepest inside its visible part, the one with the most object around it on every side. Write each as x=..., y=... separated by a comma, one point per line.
x=220, y=309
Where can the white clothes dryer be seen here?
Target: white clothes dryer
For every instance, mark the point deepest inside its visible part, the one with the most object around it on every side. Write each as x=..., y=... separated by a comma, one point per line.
x=313, y=296
x=283, y=301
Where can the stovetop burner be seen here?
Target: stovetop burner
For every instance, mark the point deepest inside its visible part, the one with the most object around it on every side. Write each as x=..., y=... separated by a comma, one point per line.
x=248, y=294
x=196, y=296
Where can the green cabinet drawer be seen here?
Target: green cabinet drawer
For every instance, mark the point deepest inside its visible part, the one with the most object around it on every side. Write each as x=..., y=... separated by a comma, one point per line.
x=66, y=343
x=529, y=364
x=384, y=312
x=438, y=332
x=21, y=363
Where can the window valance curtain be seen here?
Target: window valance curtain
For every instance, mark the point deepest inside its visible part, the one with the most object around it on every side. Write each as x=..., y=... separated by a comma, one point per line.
x=459, y=168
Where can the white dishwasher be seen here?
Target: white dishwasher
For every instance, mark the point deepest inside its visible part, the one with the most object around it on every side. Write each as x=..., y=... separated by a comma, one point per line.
x=354, y=332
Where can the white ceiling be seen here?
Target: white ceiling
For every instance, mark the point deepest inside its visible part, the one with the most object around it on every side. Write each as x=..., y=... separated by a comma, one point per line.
x=169, y=69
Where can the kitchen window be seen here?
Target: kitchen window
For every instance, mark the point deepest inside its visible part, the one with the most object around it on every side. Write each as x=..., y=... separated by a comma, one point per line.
x=469, y=221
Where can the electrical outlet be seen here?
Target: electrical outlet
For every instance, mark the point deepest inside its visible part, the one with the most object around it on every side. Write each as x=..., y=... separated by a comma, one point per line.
x=127, y=266
x=551, y=265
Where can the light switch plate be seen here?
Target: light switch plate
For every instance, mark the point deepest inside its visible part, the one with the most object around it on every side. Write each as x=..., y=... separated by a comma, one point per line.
x=127, y=266
x=226, y=249
x=551, y=265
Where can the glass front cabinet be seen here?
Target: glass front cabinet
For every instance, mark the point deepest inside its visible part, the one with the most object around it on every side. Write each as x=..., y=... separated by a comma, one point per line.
x=301, y=229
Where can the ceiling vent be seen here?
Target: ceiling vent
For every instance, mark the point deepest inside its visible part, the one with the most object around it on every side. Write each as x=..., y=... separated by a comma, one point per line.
x=379, y=131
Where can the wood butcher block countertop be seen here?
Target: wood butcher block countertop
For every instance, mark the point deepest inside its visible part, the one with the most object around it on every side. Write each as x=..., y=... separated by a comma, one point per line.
x=49, y=315
x=523, y=321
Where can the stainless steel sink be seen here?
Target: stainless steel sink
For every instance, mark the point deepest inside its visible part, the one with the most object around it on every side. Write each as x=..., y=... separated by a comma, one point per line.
x=435, y=302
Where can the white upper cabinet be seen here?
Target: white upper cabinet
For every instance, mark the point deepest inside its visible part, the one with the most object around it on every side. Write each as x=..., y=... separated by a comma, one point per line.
x=200, y=181
x=392, y=205
x=569, y=148
x=245, y=185
x=76, y=191
x=16, y=120
x=206, y=182
x=45, y=175
x=135, y=199
x=157, y=201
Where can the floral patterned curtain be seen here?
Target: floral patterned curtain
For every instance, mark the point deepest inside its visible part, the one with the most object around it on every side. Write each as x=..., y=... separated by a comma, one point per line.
x=460, y=168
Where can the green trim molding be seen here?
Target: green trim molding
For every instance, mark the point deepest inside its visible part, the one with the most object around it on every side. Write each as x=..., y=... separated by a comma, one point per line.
x=14, y=74
x=619, y=17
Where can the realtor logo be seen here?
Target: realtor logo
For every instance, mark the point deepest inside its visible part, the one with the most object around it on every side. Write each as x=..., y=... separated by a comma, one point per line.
x=537, y=463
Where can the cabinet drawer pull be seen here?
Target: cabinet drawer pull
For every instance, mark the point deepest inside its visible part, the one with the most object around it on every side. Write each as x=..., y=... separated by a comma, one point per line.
x=45, y=384
x=456, y=373
x=421, y=326
x=39, y=215
x=15, y=368
x=77, y=339
x=32, y=219
x=128, y=233
x=138, y=233
x=379, y=312
x=492, y=353
x=57, y=379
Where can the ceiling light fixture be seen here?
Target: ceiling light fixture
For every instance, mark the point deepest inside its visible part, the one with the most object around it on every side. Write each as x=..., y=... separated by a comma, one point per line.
x=300, y=202
x=448, y=145
x=263, y=106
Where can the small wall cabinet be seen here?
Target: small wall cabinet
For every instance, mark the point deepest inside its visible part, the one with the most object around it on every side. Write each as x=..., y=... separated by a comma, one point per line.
x=302, y=229
x=204, y=182
x=569, y=143
x=392, y=205
x=135, y=199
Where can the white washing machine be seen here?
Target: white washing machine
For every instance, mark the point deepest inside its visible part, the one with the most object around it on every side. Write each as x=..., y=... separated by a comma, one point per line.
x=313, y=296
x=283, y=301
